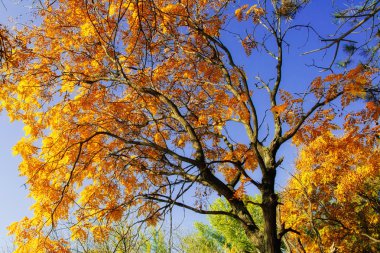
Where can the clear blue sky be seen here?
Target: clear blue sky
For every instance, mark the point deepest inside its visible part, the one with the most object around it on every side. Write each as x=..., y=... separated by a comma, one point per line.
x=14, y=203
x=13, y=195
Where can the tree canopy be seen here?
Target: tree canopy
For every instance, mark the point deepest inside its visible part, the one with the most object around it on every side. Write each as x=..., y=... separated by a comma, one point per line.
x=129, y=106
x=334, y=196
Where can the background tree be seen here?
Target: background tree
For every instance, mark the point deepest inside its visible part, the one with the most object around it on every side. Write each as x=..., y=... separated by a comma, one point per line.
x=118, y=237
x=205, y=239
x=130, y=104
x=224, y=234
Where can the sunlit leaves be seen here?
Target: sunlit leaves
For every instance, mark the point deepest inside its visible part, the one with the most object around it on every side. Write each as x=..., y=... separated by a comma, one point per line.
x=332, y=198
x=28, y=238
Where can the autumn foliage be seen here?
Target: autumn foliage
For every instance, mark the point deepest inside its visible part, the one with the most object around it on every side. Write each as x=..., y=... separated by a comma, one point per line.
x=333, y=197
x=128, y=105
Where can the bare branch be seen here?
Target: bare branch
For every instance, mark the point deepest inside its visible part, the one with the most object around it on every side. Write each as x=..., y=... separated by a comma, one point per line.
x=344, y=35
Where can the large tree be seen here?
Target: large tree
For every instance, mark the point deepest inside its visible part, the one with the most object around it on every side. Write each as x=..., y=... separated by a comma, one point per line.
x=130, y=106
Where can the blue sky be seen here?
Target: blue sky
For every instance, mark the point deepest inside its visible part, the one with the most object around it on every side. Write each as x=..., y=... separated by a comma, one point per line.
x=13, y=195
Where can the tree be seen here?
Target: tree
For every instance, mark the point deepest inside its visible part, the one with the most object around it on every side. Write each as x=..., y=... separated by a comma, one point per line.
x=333, y=199
x=224, y=234
x=205, y=239
x=130, y=105
x=119, y=237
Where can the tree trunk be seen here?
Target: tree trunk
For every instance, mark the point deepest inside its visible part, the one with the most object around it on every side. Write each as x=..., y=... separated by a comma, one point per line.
x=269, y=206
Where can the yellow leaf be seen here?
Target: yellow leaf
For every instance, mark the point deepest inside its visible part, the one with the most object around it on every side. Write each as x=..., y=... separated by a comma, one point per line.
x=112, y=9
x=87, y=29
x=27, y=129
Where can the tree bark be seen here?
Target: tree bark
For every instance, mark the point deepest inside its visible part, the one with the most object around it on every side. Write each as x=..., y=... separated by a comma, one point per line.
x=272, y=243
